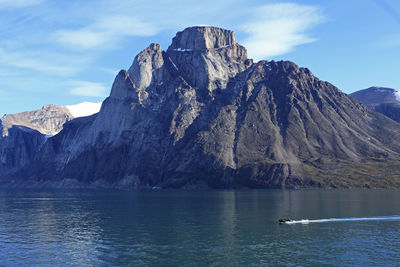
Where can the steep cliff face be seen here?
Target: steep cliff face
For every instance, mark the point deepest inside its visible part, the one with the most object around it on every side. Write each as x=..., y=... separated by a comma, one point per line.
x=18, y=147
x=24, y=134
x=202, y=114
x=381, y=99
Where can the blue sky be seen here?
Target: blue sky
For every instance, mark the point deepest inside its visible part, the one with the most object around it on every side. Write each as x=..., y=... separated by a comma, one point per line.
x=66, y=52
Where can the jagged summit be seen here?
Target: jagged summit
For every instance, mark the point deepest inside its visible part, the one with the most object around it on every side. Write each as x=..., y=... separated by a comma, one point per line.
x=199, y=55
x=48, y=120
x=201, y=38
x=207, y=57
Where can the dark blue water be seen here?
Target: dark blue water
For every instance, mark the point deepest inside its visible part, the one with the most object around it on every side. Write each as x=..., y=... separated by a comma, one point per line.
x=220, y=228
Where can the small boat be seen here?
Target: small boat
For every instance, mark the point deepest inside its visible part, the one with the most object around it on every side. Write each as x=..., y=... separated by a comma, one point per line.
x=284, y=220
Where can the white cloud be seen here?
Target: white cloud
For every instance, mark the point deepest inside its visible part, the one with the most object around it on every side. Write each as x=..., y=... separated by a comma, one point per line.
x=85, y=88
x=277, y=29
x=81, y=39
x=18, y=3
x=104, y=33
x=37, y=61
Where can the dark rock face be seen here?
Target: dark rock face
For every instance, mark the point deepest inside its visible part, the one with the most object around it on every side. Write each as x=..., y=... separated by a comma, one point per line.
x=202, y=114
x=380, y=99
x=18, y=147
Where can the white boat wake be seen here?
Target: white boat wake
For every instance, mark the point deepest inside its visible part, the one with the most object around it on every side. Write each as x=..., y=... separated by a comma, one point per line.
x=355, y=219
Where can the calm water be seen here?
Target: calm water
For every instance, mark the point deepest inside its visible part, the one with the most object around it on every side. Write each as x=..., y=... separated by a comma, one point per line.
x=220, y=228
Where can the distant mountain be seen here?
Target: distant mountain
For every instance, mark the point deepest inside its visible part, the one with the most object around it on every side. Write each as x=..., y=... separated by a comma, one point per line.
x=381, y=99
x=23, y=134
x=201, y=114
x=49, y=120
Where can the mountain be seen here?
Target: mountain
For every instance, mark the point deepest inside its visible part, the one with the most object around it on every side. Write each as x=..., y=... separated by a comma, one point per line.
x=201, y=114
x=23, y=134
x=381, y=99
x=48, y=120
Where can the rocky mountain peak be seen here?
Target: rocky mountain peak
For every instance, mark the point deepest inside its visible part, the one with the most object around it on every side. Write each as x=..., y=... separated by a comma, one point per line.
x=48, y=120
x=49, y=107
x=207, y=57
x=145, y=70
x=203, y=37
x=144, y=66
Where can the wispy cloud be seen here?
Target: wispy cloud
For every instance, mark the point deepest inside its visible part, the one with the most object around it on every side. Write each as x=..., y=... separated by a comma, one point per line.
x=276, y=29
x=104, y=32
x=19, y=3
x=50, y=63
x=85, y=88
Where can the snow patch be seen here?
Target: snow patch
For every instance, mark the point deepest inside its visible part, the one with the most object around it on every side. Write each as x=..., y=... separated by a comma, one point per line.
x=84, y=109
x=189, y=50
x=173, y=63
x=183, y=50
x=397, y=94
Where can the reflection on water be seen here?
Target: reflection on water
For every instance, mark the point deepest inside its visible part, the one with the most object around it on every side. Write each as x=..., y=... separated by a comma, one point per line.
x=208, y=227
x=37, y=227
